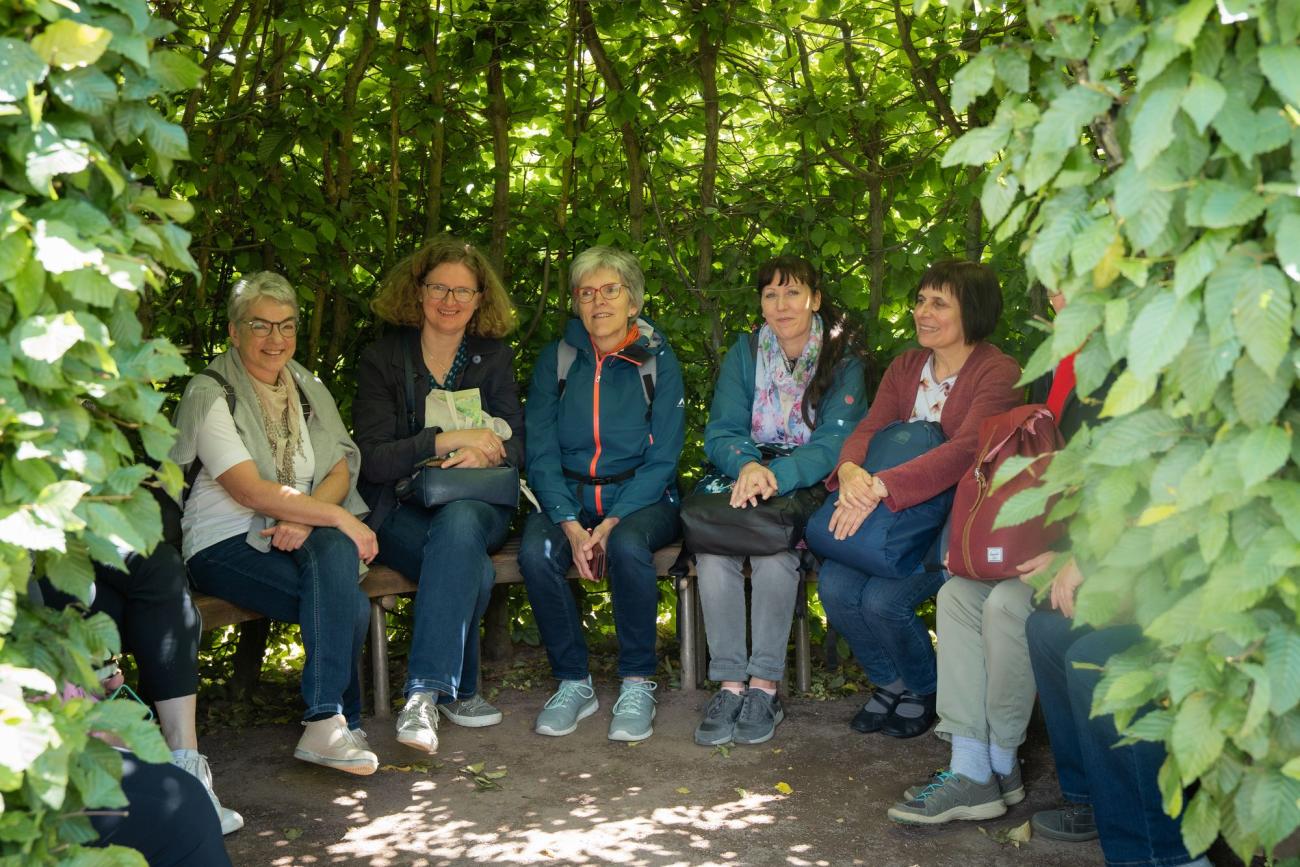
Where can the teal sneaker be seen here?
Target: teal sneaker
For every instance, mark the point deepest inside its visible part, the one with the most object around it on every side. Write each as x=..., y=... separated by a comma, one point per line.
x=951, y=796
x=573, y=702
x=634, y=711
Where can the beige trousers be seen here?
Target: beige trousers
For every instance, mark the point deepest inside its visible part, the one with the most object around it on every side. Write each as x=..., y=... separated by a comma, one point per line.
x=986, y=687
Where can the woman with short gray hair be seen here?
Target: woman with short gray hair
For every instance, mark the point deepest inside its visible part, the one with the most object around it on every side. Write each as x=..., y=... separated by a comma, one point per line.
x=271, y=521
x=602, y=459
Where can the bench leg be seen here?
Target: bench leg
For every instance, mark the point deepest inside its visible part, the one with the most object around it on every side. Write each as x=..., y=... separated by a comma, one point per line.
x=802, y=651
x=379, y=659
x=686, y=628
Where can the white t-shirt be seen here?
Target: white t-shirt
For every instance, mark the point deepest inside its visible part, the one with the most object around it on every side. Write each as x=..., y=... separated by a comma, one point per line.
x=931, y=395
x=211, y=514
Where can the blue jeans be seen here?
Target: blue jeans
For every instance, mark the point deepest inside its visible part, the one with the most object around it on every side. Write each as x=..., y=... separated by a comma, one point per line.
x=448, y=549
x=877, y=617
x=544, y=560
x=1119, y=782
x=315, y=587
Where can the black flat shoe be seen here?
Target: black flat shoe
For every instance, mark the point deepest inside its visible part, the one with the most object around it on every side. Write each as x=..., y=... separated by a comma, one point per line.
x=868, y=721
x=910, y=727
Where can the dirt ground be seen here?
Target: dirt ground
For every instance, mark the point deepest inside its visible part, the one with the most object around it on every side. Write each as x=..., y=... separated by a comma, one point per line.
x=583, y=799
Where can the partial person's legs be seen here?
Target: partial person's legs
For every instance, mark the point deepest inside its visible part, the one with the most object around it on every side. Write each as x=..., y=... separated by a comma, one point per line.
x=544, y=561
x=634, y=585
x=774, y=583
x=721, y=580
x=169, y=818
x=1131, y=819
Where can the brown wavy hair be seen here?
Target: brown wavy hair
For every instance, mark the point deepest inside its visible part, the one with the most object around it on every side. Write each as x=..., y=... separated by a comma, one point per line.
x=400, y=300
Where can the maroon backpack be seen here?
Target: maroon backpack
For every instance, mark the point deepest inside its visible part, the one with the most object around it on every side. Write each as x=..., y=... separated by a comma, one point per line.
x=975, y=549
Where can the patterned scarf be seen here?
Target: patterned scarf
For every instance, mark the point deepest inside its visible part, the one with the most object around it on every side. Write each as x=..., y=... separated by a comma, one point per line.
x=279, y=404
x=779, y=391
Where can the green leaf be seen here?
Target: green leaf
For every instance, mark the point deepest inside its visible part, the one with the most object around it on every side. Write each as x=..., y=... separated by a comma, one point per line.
x=1159, y=333
x=1129, y=393
x=1281, y=66
x=972, y=81
x=1144, y=200
x=1196, y=741
x=88, y=90
x=1023, y=506
x=1203, y=100
x=1134, y=437
x=69, y=44
x=1264, y=452
x=19, y=66
x=1200, y=823
x=1262, y=315
x=1196, y=263
x=1072, y=326
x=1012, y=67
x=97, y=774
x=127, y=720
x=1274, y=805
x=977, y=146
x=1257, y=395
x=1219, y=205
x=1188, y=21
x=1282, y=665
x=1153, y=117
x=60, y=248
x=174, y=71
x=1286, y=243
x=999, y=194
x=48, y=155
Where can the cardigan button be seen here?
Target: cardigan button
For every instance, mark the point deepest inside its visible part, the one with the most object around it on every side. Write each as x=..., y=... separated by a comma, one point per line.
x=478, y=359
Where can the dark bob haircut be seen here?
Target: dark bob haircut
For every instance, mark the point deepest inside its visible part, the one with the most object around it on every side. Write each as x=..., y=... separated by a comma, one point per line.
x=975, y=286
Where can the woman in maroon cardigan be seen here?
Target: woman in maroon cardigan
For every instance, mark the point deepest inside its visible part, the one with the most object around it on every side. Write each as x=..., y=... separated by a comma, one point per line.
x=957, y=380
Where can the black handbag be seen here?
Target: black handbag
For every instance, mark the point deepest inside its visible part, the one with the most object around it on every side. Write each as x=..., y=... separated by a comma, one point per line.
x=712, y=526
x=431, y=485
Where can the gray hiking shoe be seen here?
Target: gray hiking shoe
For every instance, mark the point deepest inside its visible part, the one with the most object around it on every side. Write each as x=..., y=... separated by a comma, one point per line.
x=950, y=796
x=472, y=713
x=760, y=714
x=1073, y=823
x=574, y=701
x=719, y=721
x=634, y=711
x=1013, y=790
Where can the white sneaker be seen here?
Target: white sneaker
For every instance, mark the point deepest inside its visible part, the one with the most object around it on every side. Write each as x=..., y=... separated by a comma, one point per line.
x=328, y=742
x=417, y=724
x=195, y=764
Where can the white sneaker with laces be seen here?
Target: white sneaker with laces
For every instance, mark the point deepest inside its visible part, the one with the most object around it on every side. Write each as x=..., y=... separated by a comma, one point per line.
x=417, y=724
x=328, y=742
x=195, y=764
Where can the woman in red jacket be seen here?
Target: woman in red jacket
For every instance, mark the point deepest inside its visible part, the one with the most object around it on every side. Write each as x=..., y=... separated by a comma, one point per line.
x=957, y=380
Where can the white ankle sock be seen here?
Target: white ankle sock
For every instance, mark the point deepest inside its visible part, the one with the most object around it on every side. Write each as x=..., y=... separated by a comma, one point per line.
x=970, y=758
x=1003, y=759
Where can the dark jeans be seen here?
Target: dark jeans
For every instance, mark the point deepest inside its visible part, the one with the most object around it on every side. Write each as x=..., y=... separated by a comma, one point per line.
x=159, y=625
x=1119, y=782
x=168, y=818
x=544, y=560
x=877, y=617
x=315, y=587
x=448, y=550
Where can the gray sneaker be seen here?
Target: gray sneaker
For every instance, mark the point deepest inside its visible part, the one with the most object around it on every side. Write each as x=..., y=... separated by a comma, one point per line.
x=574, y=701
x=472, y=713
x=950, y=796
x=1011, y=786
x=719, y=721
x=760, y=714
x=634, y=711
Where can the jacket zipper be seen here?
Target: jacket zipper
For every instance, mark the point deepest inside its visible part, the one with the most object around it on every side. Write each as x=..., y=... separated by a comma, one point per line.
x=974, y=509
x=595, y=429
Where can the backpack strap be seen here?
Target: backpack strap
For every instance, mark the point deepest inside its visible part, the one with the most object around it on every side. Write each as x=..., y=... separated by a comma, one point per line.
x=408, y=378
x=565, y=355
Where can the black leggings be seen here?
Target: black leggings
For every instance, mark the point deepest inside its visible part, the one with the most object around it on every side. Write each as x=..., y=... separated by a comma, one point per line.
x=169, y=818
x=151, y=605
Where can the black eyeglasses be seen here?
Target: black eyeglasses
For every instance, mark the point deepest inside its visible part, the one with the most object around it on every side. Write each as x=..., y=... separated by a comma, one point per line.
x=437, y=291
x=587, y=294
x=261, y=328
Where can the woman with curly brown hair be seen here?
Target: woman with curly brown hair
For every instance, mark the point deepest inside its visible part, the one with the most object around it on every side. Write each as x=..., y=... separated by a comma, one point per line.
x=452, y=313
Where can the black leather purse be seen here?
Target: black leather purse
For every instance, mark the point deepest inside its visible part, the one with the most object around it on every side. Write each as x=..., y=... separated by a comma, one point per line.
x=712, y=526
x=431, y=485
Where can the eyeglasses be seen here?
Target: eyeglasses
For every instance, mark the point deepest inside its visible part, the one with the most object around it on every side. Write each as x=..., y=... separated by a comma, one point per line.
x=288, y=328
x=438, y=291
x=587, y=294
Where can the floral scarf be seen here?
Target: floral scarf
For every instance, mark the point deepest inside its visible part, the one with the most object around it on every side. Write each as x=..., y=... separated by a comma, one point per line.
x=779, y=390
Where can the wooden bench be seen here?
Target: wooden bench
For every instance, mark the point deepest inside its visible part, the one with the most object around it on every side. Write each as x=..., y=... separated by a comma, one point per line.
x=382, y=585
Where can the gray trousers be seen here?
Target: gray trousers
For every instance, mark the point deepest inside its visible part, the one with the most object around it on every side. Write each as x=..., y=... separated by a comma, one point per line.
x=986, y=686
x=774, y=581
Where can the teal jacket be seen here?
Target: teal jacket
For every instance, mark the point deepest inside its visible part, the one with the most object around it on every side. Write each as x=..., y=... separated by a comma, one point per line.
x=727, y=441
x=601, y=427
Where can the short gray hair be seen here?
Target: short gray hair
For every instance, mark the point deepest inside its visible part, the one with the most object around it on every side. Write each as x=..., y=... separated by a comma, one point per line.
x=262, y=284
x=600, y=256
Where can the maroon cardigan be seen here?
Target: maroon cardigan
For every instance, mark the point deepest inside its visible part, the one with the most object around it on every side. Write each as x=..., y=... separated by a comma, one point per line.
x=985, y=386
